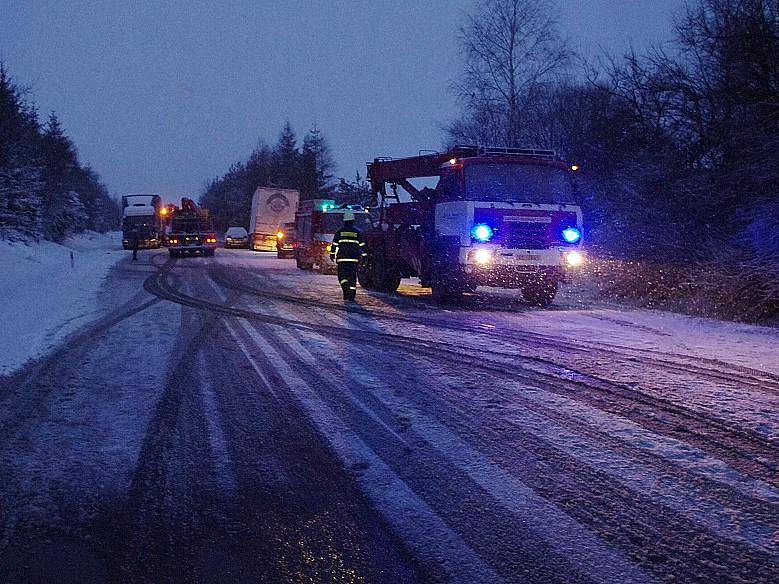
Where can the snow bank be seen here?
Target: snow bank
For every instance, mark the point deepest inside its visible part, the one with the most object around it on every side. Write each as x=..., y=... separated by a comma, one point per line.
x=43, y=297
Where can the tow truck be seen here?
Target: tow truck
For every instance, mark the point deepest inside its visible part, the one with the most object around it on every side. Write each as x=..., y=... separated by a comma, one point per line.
x=316, y=222
x=190, y=230
x=503, y=217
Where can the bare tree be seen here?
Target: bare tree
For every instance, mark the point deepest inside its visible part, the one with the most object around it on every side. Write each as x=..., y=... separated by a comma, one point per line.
x=512, y=50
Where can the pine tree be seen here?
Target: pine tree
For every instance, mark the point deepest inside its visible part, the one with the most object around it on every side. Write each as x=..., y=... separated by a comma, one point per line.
x=20, y=172
x=286, y=159
x=316, y=165
x=60, y=166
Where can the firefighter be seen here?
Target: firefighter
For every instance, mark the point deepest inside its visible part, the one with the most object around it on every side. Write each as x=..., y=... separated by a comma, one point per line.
x=346, y=250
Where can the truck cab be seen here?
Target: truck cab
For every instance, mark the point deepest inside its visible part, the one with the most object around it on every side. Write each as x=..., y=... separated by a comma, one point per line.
x=496, y=217
x=316, y=222
x=142, y=219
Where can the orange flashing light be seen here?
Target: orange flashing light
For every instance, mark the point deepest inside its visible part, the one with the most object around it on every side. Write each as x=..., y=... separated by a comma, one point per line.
x=164, y=211
x=574, y=167
x=280, y=235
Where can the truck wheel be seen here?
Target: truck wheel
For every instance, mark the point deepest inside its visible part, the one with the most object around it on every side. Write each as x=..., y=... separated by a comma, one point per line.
x=443, y=288
x=385, y=275
x=302, y=265
x=540, y=293
x=365, y=274
x=323, y=267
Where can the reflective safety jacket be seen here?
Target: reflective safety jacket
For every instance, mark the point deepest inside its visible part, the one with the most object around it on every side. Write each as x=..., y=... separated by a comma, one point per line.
x=348, y=245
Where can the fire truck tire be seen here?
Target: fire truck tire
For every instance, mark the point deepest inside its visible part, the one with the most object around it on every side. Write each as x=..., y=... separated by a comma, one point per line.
x=365, y=274
x=385, y=276
x=442, y=287
x=540, y=293
x=324, y=268
x=302, y=265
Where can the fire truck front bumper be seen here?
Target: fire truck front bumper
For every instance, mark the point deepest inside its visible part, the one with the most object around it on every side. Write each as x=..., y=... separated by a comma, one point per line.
x=513, y=268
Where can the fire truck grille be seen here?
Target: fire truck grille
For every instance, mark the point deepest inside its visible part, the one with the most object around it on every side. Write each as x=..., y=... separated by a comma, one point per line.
x=527, y=236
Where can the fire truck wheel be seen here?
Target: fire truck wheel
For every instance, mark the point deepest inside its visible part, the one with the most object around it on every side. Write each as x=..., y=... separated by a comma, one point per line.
x=365, y=274
x=442, y=287
x=385, y=276
x=540, y=293
x=323, y=267
x=302, y=265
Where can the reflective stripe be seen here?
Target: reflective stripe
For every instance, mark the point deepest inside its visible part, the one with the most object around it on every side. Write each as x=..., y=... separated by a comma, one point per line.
x=349, y=234
x=362, y=244
x=352, y=287
x=343, y=281
x=339, y=260
x=340, y=241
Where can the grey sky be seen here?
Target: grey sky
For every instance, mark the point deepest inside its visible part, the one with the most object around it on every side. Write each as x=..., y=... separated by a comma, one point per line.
x=160, y=96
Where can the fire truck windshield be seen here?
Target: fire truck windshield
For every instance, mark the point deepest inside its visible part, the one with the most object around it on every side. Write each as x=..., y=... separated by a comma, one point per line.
x=517, y=183
x=332, y=222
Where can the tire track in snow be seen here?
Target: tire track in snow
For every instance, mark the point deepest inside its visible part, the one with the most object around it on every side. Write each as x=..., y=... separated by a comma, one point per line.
x=761, y=536
x=563, y=534
x=753, y=454
x=416, y=523
x=717, y=369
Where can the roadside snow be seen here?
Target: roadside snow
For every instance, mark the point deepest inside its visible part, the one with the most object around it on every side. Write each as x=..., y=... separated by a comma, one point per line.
x=43, y=298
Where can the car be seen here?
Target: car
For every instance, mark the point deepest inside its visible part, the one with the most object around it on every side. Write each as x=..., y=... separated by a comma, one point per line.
x=285, y=240
x=236, y=237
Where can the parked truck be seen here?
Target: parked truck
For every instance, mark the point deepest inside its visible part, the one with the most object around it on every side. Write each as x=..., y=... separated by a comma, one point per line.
x=270, y=208
x=190, y=230
x=502, y=217
x=315, y=225
x=141, y=217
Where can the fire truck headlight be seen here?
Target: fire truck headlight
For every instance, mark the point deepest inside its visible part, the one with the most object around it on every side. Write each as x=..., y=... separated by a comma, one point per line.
x=482, y=232
x=482, y=256
x=572, y=235
x=574, y=259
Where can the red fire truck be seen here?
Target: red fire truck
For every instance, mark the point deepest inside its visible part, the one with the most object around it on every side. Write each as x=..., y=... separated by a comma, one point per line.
x=316, y=222
x=501, y=217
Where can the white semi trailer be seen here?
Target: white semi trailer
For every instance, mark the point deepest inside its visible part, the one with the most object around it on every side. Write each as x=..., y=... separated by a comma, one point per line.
x=271, y=207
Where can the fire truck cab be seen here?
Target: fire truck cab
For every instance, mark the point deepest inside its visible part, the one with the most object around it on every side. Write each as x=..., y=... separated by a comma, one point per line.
x=500, y=217
x=316, y=222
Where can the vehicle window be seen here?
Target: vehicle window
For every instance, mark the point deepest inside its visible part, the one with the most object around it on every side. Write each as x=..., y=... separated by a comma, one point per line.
x=526, y=183
x=332, y=222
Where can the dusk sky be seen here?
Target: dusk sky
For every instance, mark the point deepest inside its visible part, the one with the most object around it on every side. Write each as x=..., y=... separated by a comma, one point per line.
x=161, y=96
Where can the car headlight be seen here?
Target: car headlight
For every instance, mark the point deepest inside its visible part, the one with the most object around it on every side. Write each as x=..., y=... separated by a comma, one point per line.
x=574, y=259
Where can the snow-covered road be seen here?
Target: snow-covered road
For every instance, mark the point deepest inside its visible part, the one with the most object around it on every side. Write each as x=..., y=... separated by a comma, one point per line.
x=229, y=419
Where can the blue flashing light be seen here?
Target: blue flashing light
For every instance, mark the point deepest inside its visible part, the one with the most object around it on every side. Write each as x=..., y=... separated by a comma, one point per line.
x=572, y=235
x=482, y=232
